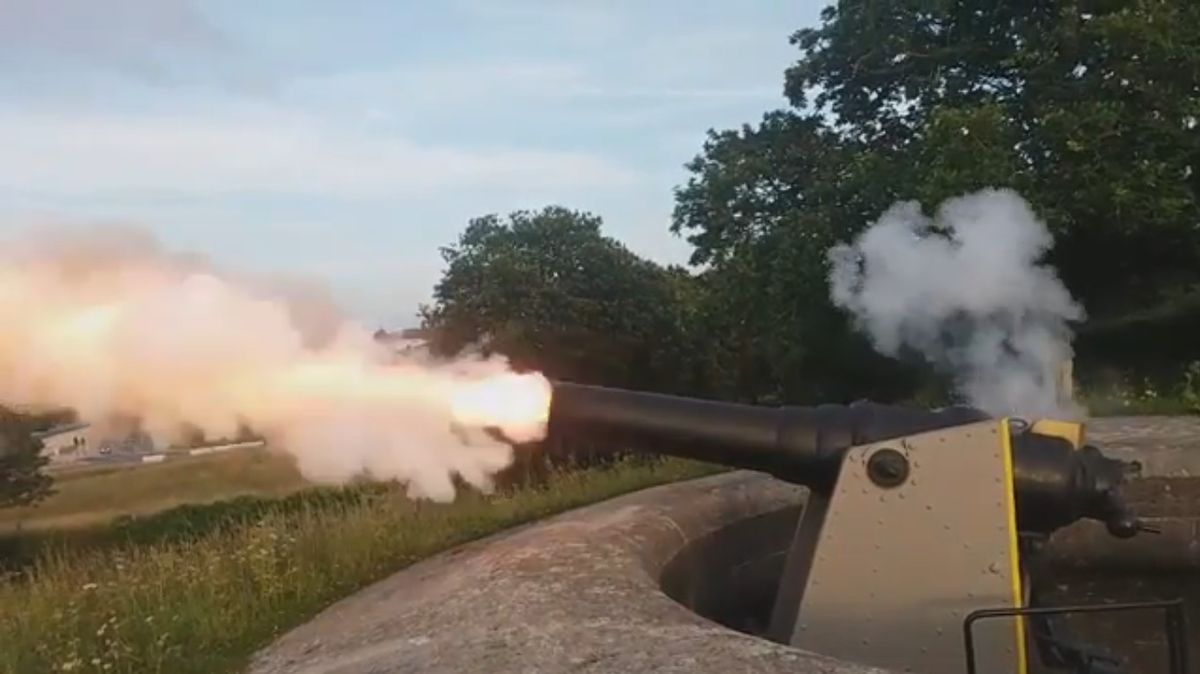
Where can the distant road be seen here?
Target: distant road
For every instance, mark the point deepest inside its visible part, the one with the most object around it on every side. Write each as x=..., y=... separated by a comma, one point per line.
x=118, y=459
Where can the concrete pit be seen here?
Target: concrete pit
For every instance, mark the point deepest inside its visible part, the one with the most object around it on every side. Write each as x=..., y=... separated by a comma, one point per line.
x=730, y=575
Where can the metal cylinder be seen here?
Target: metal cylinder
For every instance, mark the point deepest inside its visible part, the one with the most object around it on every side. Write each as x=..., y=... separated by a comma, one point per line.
x=802, y=445
x=1054, y=484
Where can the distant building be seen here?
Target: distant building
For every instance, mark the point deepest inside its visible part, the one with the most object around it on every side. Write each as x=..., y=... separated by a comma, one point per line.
x=68, y=442
x=80, y=440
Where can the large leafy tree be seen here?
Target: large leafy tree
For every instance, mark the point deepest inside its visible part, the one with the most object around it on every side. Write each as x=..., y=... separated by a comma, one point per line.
x=551, y=292
x=1089, y=109
x=762, y=207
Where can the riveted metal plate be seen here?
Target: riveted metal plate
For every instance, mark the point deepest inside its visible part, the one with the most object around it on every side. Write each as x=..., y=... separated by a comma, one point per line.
x=886, y=576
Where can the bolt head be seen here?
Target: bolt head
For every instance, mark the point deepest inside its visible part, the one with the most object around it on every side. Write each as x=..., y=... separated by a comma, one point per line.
x=888, y=468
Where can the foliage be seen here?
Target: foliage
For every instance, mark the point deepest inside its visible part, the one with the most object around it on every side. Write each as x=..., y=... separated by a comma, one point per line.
x=22, y=481
x=762, y=208
x=1190, y=393
x=1115, y=392
x=550, y=291
x=1088, y=110
x=204, y=603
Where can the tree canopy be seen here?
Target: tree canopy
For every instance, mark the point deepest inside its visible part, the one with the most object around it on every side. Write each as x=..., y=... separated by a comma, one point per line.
x=550, y=291
x=1088, y=109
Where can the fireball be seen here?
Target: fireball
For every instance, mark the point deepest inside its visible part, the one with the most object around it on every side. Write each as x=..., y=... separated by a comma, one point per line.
x=518, y=404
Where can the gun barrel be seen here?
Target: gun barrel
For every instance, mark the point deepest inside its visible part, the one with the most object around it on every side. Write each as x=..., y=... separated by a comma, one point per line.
x=802, y=445
x=1055, y=484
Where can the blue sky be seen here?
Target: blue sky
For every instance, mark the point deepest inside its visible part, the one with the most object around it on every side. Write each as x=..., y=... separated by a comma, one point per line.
x=349, y=140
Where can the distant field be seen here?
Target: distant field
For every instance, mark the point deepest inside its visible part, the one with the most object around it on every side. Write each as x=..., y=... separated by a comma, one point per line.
x=98, y=495
x=204, y=601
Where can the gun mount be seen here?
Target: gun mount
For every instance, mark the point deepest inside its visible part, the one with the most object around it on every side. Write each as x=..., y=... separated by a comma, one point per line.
x=919, y=523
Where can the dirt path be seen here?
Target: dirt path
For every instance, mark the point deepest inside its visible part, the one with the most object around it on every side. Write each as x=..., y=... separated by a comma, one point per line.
x=1165, y=446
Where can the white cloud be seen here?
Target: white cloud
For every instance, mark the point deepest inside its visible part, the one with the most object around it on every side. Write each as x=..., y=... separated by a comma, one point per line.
x=83, y=154
x=368, y=136
x=46, y=43
x=114, y=28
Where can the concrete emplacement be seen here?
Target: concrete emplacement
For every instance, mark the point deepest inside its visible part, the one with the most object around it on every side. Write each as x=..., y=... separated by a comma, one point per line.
x=679, y=578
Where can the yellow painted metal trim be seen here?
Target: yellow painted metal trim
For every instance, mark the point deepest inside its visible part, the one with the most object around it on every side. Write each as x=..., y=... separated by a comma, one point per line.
x=1067, y=430
x=1014, y=552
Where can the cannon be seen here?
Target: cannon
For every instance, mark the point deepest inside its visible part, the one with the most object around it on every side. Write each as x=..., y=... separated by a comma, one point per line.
x=917, y=547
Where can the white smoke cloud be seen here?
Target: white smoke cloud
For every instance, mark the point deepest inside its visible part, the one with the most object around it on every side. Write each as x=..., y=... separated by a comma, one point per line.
x=109, y=324
x=966, y=289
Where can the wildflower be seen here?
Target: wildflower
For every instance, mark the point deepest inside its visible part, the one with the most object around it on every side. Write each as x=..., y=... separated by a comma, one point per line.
x=90, y=586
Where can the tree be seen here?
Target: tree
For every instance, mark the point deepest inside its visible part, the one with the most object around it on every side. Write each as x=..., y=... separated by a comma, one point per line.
x=21, y=461
x=1088, y=109
x=762, y=208
x=551, y=292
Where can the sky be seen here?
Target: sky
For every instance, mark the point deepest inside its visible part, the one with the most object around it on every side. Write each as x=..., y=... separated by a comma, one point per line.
x=347, y=141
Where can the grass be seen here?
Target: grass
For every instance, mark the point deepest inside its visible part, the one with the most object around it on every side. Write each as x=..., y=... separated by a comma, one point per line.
x=1112, y=394
x=205, y=603
x=98, y=495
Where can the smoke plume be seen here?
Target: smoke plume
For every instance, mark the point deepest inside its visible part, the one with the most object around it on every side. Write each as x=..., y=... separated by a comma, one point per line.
x=109, y=324
x=965, y=289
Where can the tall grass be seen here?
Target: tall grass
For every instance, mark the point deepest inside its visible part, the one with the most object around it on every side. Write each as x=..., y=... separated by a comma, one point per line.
x=1118, y=394
x=205, y=603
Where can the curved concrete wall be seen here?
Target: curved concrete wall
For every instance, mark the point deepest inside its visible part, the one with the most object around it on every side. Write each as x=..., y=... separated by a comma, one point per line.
x=578, y=592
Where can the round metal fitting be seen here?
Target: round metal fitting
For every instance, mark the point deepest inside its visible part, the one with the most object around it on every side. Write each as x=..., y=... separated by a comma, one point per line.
x=887, y=468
